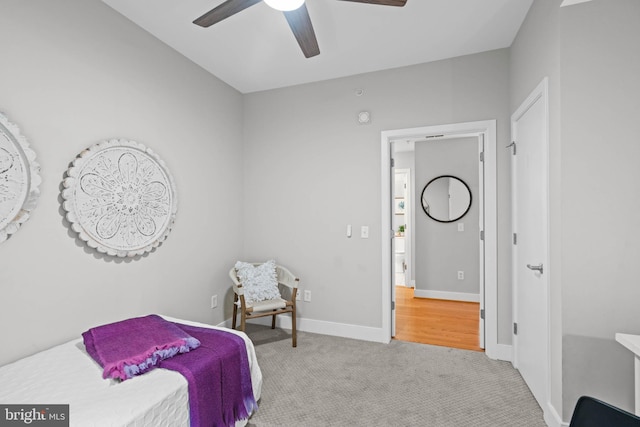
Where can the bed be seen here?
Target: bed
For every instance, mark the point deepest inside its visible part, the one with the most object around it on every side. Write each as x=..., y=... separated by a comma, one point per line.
x=66, y=374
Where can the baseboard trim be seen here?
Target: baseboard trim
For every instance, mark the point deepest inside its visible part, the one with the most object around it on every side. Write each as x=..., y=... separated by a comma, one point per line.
x=224, y=324
x=552, y=418
x=454, y=296
x=502, y=352
x=365, y=333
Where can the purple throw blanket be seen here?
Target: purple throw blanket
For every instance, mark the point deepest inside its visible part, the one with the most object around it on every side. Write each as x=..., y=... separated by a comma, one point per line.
x=217, y=371
x=133, y=346
x=220, y=389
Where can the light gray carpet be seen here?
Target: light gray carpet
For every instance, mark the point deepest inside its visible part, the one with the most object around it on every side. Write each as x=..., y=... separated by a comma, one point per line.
x=330, y=381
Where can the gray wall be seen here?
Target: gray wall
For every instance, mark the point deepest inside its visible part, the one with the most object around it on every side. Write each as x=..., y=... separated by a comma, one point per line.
x=591, y=53
x=534, y=54
x=74, y=72
x=600, y=50
x=442, y=250
x=310, y=169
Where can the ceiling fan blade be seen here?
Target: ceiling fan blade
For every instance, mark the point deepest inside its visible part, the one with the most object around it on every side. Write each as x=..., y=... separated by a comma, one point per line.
x=223, y=11
x=300, y=24
x=398, y=3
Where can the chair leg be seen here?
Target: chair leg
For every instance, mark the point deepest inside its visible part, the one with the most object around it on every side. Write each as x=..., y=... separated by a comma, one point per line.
x=294, y=338
x=235, y=312
x=243, y=320
x=273, y=321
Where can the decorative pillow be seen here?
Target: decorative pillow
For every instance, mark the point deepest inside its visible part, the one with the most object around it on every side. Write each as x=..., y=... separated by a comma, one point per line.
x=260, y=283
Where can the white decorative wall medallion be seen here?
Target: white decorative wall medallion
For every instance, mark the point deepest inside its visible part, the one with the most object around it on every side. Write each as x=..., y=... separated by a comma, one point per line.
x=19, y=178
x=120, y=198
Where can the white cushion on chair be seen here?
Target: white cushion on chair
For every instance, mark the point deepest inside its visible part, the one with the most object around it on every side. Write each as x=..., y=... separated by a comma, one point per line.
x=260, y=282
x=268, y=305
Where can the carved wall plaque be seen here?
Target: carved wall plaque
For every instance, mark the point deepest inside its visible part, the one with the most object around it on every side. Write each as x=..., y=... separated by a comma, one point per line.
x=120, y=198
x=19, y=178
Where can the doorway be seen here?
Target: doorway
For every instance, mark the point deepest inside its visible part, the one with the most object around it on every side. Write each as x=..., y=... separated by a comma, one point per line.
x=488, y=233
x=437, y=301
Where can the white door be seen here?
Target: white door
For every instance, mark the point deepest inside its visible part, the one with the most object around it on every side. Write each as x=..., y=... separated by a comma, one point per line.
x=530, y=255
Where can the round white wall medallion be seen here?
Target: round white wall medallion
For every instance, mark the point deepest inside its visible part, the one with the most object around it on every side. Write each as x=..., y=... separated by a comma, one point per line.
x=19, y=178
x=120, y=198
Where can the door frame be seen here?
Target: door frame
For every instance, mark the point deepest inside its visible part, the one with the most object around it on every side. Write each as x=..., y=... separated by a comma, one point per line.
x=487, y=129
x=540, y=93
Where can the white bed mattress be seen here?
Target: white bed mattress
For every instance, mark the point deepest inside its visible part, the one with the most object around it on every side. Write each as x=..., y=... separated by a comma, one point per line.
x=66, y=374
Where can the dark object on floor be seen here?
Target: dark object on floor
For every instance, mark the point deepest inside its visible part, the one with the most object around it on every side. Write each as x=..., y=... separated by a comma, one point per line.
x=590, y=412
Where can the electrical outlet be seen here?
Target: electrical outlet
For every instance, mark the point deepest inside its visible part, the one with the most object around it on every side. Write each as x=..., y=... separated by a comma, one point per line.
x=214, y=301
x=307, y=296
x=299, y=295
x=460, y=275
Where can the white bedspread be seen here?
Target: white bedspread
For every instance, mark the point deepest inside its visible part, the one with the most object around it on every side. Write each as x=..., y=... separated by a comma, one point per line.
x=66, y=374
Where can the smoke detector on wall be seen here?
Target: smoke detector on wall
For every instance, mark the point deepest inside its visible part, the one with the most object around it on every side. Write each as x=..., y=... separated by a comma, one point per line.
x=364, y=117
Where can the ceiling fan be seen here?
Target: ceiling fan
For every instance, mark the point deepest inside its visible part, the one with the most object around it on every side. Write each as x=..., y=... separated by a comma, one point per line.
x=295, y=11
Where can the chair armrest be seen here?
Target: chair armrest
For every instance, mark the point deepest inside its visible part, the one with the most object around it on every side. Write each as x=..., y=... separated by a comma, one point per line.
x=238, y=289
x=285, y=277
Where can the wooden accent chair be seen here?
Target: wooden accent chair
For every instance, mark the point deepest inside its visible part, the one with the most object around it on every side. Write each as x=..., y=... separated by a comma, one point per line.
x=269, y=307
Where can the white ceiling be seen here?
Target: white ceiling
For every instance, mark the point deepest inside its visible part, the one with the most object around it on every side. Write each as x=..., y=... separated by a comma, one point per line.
x=255, y=50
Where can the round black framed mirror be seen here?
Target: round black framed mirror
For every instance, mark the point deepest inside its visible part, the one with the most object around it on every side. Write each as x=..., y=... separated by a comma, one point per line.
x=446, y=198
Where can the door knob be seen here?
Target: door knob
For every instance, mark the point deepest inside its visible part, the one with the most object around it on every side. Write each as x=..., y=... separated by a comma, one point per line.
x=535, y=268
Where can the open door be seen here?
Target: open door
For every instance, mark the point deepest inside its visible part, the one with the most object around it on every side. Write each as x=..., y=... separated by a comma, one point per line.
x=481, y=240
x=392, y=235
x=401, y=226
x=402, y=206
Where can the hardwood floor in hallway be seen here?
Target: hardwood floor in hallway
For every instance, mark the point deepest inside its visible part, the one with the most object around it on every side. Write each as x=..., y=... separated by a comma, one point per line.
x=437, y=322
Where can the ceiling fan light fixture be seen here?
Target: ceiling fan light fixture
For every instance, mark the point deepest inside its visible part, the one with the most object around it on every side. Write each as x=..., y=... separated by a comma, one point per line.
x=284, y=5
